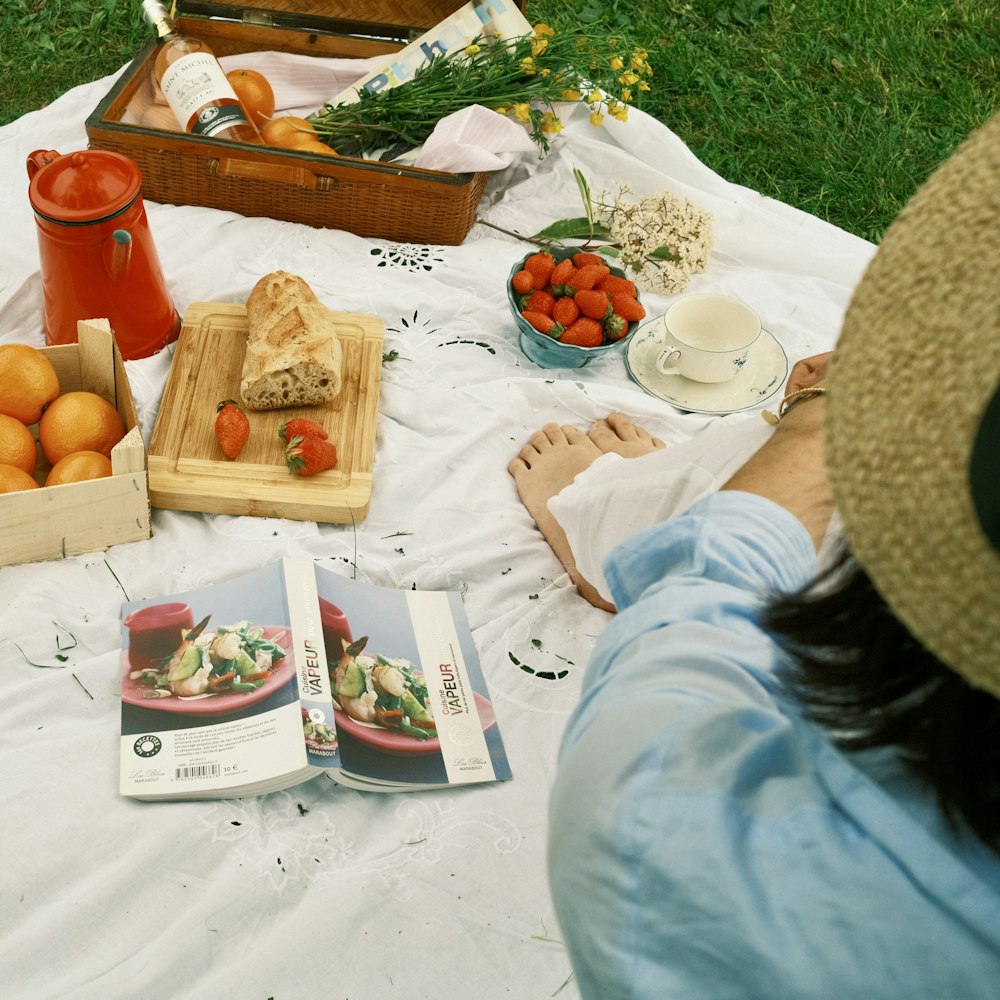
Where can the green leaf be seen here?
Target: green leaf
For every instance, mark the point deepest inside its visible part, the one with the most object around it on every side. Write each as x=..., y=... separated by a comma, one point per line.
x=574, y=229
x=662, y=253
x=588, y=205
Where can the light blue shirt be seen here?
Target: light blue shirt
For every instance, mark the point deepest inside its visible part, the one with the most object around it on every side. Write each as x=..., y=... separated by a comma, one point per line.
x=707, y=842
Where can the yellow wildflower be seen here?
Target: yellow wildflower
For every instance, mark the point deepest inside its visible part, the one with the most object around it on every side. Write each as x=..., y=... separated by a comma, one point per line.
x=594, y=97
x=596, y=118
x=616, y=63
x=545, y=72
x=528, y=66
x=638, y=63
x=626, y=94
x=542, y=30
x=627, y=79
x=572, y=95
x=621, y=113
x=501, y=111
x=550, y=123
x=522, y=112
x=538, y=46
x=644, y=85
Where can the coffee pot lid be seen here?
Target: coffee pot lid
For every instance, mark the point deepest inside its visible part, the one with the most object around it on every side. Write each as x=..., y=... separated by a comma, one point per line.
x=83, y=187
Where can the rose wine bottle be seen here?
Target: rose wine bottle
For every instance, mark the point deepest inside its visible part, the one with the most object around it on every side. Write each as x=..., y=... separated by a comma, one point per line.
x=194, y=84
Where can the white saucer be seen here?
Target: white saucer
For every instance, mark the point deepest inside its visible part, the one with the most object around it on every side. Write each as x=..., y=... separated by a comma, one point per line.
x=759, y=379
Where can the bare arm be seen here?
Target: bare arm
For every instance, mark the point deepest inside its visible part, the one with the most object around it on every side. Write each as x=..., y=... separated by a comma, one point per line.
x=789, y=468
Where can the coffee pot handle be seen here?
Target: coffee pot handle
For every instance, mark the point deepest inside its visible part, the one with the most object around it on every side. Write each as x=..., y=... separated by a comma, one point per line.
x=40, y=158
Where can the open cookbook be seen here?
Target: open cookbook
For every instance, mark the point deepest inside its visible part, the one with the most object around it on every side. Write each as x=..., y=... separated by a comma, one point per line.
x=291, y=671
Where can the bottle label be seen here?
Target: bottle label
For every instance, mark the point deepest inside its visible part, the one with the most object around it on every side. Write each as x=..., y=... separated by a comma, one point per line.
x=197, y=80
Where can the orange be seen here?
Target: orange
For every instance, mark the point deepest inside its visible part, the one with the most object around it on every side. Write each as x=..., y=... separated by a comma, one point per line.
x=314, y=146
x=286, y=130
x=13, y=479
x=78, y=466
x=254, y=93
x=17, y=446
x=79, y=421
x=27, y=382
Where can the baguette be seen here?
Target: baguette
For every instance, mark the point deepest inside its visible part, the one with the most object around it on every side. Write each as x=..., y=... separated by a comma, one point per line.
x=293, y=356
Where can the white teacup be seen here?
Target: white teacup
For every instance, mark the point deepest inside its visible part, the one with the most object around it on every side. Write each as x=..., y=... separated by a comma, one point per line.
x=707, y=338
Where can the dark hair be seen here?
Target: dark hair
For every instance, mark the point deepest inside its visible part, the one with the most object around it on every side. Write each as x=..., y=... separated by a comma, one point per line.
x=863, y=677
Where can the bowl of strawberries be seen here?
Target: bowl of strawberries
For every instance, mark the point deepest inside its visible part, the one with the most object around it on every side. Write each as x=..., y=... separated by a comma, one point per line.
x=571, y=306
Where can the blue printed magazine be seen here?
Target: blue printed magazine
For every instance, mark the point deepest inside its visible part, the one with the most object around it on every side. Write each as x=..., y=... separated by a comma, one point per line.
x=290, y=672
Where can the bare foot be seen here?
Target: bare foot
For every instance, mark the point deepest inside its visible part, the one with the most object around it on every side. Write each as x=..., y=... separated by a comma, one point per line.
x=618, y=434
x=554, y=456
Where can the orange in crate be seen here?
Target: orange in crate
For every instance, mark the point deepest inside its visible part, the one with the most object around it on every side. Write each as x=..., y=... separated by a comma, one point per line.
x=17, y=446
x=27, y=382
x=79, y=421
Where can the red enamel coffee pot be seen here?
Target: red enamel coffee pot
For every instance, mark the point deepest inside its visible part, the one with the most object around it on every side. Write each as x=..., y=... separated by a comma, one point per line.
x=97, y=256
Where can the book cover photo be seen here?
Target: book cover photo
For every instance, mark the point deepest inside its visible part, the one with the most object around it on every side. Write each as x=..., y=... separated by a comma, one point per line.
x=217, y=685
x=411, y=704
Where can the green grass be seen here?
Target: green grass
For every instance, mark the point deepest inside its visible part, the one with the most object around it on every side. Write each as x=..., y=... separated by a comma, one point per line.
x=839, y=107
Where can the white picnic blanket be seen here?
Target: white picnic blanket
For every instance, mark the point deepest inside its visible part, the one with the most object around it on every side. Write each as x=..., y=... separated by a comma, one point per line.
x=322, y=891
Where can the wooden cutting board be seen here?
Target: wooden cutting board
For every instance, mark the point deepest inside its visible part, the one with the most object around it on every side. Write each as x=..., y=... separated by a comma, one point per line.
x=187, y=468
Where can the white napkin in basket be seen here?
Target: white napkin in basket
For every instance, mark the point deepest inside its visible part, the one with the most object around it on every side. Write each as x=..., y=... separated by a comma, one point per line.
x=474, y=138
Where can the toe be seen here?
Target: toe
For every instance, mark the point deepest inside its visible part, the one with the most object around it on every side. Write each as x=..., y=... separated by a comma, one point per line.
x=643, y=435
x=622, y=426
x=527, y=455
x=550, y=435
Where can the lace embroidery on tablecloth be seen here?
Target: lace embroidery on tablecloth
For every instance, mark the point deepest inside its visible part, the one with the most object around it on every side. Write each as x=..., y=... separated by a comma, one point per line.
x=409, y=256
x=416, y=323
x=318, y=833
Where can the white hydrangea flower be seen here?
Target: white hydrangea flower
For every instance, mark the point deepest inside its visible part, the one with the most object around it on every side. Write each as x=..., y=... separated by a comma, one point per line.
x=643, y=229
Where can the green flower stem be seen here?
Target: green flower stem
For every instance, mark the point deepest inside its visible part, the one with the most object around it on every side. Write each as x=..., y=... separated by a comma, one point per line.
x=524, y=77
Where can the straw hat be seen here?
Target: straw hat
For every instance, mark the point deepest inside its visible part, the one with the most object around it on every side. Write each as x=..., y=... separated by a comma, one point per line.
x=913, y=414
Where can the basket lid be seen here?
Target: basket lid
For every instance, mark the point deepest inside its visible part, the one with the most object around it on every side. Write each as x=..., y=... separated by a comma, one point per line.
x=409, y=15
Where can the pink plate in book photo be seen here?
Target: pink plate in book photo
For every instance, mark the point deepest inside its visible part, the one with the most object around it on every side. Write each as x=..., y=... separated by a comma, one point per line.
x=399, y=744
x=223, y=703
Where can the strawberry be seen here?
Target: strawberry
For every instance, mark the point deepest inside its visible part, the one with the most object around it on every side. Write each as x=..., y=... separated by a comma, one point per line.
x=565, y=310
x=592, y=303
x=523, y=282
x=541, y=265
x=309, y=455
x=588, y=276
x=559, y=279
x=232, y=428
x=542, y=323
x=585, y=332
x=612, y=283
x=615, y=327
x=627, y=307
x=583, y=259
x=539, y=302
x=300, y=427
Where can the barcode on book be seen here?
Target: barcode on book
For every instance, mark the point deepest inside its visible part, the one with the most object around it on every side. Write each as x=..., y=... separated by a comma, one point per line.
x=196, y=771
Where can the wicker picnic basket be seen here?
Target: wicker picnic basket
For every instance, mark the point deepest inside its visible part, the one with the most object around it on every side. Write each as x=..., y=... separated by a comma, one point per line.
x=365, y=197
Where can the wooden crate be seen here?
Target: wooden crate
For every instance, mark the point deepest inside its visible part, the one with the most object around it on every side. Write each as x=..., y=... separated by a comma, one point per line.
x=361, y=196
x=58, y=521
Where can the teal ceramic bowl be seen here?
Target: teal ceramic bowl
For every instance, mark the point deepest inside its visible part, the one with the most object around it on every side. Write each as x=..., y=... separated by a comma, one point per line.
x=543, y=349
